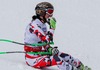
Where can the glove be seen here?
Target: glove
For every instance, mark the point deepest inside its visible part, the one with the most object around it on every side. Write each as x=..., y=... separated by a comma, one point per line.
x=55, y=50
x=50, y=36
x=52, y=22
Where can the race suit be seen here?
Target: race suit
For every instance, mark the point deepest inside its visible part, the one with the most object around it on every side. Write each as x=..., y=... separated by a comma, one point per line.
x=37, y=32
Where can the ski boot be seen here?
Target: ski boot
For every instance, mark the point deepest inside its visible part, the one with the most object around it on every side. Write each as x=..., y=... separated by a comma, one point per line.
x=87, y=68
x=82, y=67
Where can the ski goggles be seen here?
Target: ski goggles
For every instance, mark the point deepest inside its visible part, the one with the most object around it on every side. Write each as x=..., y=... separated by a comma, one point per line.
x=49, y=11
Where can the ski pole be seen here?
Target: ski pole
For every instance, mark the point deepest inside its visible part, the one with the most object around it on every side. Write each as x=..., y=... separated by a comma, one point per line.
x=38, y=44
x=49, y=52
x=12, y=52
x=41, y=53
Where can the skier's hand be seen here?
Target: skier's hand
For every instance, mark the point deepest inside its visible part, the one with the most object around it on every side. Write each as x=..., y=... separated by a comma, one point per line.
x=52, y=22
x=50, y=36
x=55, y=50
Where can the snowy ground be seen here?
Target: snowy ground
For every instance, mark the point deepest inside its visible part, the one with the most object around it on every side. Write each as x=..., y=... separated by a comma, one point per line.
x=77, y=32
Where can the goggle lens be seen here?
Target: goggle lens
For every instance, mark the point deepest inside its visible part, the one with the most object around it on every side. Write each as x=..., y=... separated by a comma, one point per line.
x=50, y=11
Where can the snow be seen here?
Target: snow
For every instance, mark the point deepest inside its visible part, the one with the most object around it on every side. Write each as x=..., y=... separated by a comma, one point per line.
x=77, y=32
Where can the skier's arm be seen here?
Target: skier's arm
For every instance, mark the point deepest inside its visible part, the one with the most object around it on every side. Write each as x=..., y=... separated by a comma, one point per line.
x=39, y=33
x=52, y=27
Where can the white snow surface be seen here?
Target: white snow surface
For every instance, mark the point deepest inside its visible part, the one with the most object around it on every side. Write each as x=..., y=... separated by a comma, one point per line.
x=77, y=32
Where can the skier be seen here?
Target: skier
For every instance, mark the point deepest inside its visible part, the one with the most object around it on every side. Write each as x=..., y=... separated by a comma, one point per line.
x=37, y=31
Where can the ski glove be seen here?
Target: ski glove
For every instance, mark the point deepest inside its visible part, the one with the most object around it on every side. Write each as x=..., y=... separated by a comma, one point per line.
x=50, y=36
x=52, y=22
x=55, y=51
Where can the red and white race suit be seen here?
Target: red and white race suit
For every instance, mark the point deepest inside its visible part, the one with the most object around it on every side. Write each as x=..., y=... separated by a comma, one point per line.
x=36, y=32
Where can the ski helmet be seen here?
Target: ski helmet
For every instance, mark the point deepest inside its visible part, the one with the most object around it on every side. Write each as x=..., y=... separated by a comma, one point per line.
x=42, y=8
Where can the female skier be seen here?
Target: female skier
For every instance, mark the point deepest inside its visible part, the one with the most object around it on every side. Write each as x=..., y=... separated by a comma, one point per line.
x=38, y=31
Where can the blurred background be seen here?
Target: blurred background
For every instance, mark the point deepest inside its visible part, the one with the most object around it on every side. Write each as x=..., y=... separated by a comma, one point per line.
x=77, y=32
